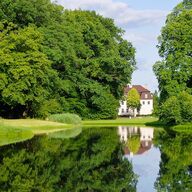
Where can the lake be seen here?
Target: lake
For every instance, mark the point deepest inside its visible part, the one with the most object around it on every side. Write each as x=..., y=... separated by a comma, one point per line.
x=123, y=158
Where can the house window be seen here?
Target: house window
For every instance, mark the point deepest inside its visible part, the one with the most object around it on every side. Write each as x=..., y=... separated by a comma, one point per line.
x=148, y=102
x=143, y=102
x=146, y=96
x=127, y=110
x=122, y=110
x=122, y=102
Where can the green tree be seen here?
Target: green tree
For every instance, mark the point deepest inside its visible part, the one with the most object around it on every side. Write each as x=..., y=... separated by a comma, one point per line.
x=133, y=100
x=86, y=51
x=26, y=73
x=185, y=100
x=24, y=12
x=156, y=104
x=96, y=68
x=170, y=111
x=174, y=72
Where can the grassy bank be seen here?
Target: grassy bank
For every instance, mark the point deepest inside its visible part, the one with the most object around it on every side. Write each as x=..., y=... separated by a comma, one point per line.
x=122, y=121
x=36, y=126
x=12, y=131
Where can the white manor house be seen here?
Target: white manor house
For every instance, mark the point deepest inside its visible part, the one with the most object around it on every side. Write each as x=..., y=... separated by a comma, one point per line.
x=146, y=101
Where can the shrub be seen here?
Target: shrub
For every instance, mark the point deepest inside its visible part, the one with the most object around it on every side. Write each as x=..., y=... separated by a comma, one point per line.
x=170, y=111
x=67, y=118
x=48, y=107
x=185, y=100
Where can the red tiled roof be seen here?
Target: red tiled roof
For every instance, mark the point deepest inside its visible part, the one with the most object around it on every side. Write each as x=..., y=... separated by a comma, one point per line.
x=141, y=90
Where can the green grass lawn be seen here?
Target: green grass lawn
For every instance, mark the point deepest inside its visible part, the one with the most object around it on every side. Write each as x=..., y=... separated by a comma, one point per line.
x=121, y=121
x=34, y=125
x=12, y=131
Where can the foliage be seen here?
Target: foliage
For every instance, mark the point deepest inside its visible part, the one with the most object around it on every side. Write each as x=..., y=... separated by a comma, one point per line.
x=176, y=162
x=155, y=104
x=80, y=58
x=133, y=99
x=186, y=106
x=90, y=162
x=67, y=118
x=174, y=72
x=133, y=144
x=27, y=76
x=177, y=110
x=170, y=111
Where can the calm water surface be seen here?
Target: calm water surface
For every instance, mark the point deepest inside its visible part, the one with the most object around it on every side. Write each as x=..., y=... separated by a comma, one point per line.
x=99, y=159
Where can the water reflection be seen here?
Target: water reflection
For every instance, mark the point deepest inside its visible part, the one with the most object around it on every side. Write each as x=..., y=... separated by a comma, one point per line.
x=145, y=157
x=176, y=162
x=91, y=161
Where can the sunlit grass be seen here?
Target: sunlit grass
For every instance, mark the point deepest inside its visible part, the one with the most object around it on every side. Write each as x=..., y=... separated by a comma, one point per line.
x=121, y=121
x=12, y=131
x=36, y=126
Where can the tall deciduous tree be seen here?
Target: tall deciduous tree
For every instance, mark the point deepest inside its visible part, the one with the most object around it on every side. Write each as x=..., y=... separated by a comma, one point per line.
x=174, y=72
x=26, y=73
x=133, y=100
x=87, y=51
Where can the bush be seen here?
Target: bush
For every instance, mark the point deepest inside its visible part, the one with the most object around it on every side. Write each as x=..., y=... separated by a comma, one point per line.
x=185, y=100
x=48, y=107
x=170, y=111
x=177, y=110
x=67, y=118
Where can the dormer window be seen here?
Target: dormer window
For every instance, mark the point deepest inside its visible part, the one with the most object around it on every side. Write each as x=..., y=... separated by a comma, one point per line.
x=146, y=96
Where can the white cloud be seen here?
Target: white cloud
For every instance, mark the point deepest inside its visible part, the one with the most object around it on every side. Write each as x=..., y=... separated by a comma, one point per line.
x=119, y=11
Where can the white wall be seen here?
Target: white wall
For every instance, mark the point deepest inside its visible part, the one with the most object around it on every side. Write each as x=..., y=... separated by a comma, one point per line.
x=146, y=108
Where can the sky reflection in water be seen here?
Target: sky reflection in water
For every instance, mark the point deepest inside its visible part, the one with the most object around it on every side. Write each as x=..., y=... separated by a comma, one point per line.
x=146, y=159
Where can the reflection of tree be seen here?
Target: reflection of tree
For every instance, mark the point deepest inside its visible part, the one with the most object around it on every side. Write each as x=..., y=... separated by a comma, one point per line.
x=90, y=162
x=133, y=144
x=176, y=162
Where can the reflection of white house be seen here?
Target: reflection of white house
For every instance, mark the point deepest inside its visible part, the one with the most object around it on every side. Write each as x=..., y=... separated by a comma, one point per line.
x=146, y=137
x=146, y=101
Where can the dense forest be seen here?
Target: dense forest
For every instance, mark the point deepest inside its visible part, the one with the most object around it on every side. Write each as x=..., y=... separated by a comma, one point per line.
x=54, y=60
x=174, y=71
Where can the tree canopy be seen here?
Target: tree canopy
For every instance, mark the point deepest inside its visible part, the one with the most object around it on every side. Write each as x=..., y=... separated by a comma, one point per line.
x=174, y=72
x=63, y=60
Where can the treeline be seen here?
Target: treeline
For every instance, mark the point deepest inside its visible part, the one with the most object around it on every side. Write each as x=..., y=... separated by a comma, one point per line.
x=174, y=72
x=55, y=60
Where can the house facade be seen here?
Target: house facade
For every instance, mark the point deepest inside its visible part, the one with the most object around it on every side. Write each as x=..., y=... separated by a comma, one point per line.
x=146, y=101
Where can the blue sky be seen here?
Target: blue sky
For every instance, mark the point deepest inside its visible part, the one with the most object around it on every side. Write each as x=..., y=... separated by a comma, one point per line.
x=142, y=21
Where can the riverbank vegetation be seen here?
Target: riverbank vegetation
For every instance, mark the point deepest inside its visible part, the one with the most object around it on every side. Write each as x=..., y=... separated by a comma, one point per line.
x=174, y=71
x=54, y=60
